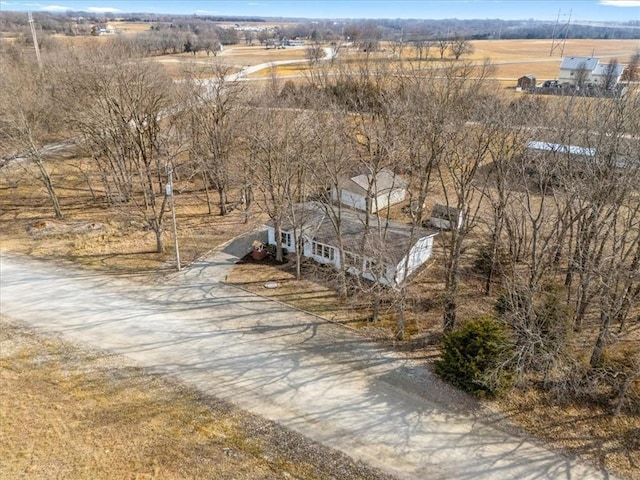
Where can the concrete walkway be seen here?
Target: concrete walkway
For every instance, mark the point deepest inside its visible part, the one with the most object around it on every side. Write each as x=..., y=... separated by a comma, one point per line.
x=321, y=380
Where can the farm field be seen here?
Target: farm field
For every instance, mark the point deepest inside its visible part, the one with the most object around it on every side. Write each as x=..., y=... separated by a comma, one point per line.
x=511, y=58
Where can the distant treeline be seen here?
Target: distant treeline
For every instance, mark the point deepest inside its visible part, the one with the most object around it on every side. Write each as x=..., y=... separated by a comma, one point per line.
x=78, y=23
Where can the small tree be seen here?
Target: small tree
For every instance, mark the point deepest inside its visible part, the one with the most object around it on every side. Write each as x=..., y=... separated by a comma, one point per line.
x=461, y=46
x=474, y=357
x=611, y=75
x=443, y=46
x=632, y=71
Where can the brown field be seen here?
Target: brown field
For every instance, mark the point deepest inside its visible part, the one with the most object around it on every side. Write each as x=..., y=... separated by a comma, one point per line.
x=511, y=58
x=515, y=58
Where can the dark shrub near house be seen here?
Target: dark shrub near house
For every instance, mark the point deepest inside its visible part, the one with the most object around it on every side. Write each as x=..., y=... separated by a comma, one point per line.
x=472, y=357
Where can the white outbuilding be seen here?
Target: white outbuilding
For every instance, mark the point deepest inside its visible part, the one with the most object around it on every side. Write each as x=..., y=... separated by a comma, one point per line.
x=368, y=192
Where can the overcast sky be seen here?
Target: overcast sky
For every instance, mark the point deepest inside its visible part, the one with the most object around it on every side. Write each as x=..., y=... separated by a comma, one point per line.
x=581, y=10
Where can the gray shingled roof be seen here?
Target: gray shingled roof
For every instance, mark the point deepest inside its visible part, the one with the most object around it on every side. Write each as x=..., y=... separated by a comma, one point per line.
x=602, y=68
x=391, y=238
x=578, y=63
x=385, y=181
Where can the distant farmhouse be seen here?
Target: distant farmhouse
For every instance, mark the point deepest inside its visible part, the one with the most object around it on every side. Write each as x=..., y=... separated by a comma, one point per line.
x=588, y=71
x=386, y=252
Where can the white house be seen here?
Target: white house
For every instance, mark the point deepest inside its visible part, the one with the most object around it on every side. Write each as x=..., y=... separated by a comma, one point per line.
x=388, y=254
x=605, y=72
x=366, y=191
x=572, y=68
x=588, y=71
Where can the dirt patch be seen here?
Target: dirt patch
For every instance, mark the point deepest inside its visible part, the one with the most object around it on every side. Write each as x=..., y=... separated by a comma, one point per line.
x=68, y=412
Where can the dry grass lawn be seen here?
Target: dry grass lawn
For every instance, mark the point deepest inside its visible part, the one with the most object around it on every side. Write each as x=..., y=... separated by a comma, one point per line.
x=92, y=235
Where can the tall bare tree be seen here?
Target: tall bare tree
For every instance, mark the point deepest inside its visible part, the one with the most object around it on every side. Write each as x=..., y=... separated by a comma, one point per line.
x=29, y=119
x=215, y=117
x=277, y=149
x=127, y=123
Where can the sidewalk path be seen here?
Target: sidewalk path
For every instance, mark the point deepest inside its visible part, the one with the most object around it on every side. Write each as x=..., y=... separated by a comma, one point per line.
x=319, y=379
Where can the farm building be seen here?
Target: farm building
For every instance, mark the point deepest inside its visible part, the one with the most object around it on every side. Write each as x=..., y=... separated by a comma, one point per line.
x=584, y=157
x=604, y=73
x=589, y=71
x=365, y=192
x=389, y=253
x=527, y=81
x=442, y=217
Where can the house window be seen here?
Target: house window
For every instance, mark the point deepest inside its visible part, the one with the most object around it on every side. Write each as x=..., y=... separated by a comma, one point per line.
x=352, y=260
x=369, y=264
x=285, y=238
x=321, y=250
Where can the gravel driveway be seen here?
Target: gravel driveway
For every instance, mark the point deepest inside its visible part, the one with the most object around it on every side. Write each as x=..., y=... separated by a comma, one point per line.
x=319, y=379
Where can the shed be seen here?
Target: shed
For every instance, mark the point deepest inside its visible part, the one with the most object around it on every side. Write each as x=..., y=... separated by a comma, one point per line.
x=527, y=81
x=443, y=217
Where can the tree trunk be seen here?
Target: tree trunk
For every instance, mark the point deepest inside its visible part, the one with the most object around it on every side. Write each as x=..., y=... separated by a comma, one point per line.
x=401, y=308
x=222, y=201
x=376, y=306
x=623, y=394
x=601, y=341
x=449, y=317
x=46, y=179
x=278, y=232
x=205, y=180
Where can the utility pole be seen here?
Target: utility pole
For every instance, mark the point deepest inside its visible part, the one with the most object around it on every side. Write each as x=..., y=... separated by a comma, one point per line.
x=560, y=34
x=169, y=192
x=35, y=39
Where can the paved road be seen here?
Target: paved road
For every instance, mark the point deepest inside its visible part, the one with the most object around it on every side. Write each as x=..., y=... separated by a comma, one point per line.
x=319, y=379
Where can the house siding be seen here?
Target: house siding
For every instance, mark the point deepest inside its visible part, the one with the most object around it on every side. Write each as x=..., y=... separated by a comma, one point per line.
x=271, y=238
x=315, y=242
x=419, y=253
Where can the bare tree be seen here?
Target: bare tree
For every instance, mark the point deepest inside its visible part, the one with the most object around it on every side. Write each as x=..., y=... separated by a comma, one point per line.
x=422, y=48
x=611, y=75
x=249, y=37
x=29, y=117
x=581, y=76
x=314, y=53
x=276, y=145
x=457, y=173
x=213, y=125
x=127, y=125
x=460, y=46
x=443, y=45
x=632, y=70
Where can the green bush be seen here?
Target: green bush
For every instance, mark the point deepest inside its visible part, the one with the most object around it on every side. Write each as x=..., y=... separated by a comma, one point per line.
x=473, y=357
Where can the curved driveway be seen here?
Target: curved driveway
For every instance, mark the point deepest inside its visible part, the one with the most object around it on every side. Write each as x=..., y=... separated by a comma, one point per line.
x=319, y=379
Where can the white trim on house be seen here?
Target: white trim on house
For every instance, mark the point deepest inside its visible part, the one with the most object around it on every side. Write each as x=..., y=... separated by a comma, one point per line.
x=398, y=255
